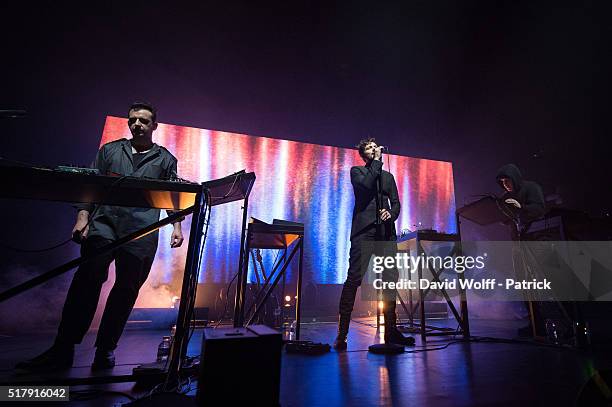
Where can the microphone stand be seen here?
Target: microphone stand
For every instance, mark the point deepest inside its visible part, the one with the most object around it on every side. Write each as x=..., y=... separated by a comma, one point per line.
x=379, y=223
x=379, y=233
x=379, y=205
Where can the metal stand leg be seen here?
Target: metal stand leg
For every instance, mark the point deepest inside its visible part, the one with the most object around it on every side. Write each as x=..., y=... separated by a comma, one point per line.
x=188, y=291
x=242, y=272
x=421, y=293
x=378, y=309
x=298, y=304
x=11, y=292
x=273, y=285
x=465, y=326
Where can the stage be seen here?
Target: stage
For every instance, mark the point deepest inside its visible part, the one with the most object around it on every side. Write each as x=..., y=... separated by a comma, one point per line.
x=451, y=373
x=283, y=133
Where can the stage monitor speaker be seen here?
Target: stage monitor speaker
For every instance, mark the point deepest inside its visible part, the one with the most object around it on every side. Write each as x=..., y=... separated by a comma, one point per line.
x=240, y=366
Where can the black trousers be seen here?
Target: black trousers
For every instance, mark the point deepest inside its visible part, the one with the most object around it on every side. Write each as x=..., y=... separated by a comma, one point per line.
x=363, y=246
x=132, y=267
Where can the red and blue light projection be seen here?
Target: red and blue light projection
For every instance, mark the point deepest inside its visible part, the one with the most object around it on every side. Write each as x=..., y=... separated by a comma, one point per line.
x=299, y=182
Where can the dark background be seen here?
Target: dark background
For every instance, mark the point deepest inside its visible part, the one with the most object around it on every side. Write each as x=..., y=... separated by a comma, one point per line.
x=478, y=83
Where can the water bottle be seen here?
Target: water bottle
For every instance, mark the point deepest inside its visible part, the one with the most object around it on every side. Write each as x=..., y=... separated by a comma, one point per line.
x=163, y=350
x=286, y=331
x=582, y=334
x=292, y=331
x=552, y=332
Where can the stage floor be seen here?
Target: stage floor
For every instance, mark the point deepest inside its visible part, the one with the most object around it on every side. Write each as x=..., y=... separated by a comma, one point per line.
x=451, y=373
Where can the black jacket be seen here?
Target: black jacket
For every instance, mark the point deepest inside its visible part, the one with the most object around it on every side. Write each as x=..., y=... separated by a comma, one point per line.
x=113, y=222
x=527, y=193
x=363, y=179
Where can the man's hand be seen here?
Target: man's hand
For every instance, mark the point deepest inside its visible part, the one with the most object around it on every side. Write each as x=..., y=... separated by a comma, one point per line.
x=176, y=240
x=81, y=227
x=513, y=202
x=378, y=153
x=385, y=215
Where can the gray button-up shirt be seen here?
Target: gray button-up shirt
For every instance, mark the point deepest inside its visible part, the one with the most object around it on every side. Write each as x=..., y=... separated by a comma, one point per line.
x=113, y=222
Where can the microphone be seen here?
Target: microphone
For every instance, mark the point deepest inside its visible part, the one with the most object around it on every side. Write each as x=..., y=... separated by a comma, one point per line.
x=383, y=149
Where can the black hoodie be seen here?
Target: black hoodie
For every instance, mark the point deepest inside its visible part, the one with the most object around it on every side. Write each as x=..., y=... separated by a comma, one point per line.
x=527, y=193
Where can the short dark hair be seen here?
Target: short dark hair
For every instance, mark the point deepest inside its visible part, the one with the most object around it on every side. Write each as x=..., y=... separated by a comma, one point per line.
x=363, y=143
x=144, y=106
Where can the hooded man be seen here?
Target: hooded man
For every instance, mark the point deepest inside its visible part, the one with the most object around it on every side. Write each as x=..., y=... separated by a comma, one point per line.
x=527, y=202
x=526, y=197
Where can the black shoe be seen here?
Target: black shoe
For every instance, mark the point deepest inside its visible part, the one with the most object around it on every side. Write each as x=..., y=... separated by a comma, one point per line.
x=392, y=335
x=340, y=343
x=55, y=358
x=104, y=359
x=343, y=326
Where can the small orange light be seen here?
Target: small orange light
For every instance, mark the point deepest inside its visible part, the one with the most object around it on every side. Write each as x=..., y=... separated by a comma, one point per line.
x=381, y=305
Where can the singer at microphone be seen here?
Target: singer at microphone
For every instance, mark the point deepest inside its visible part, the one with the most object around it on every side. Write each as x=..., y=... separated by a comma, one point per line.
x=377, y=207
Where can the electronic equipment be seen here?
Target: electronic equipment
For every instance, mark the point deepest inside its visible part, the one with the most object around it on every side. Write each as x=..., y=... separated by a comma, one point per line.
x=240, y=366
